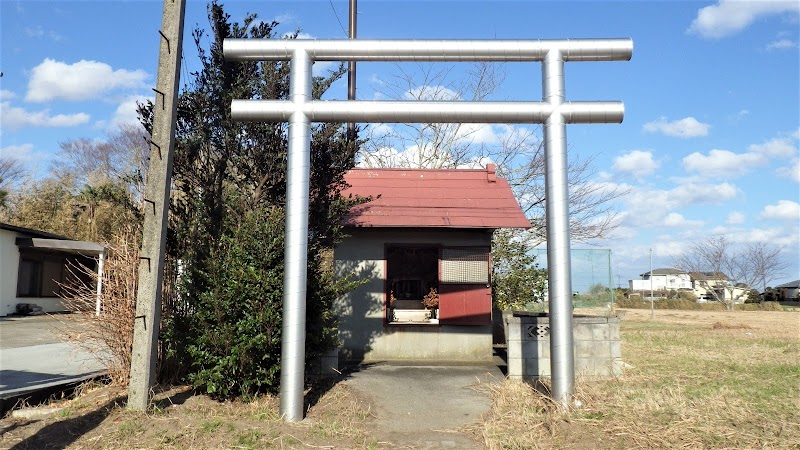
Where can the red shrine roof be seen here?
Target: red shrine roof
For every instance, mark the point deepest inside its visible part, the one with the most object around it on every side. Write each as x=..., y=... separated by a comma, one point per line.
x=453, y=198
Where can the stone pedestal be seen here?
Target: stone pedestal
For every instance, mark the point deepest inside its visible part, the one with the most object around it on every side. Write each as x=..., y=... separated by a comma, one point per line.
x=598, y=350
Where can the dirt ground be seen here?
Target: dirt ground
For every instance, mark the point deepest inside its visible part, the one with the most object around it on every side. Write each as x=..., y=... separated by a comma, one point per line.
x=773, y=324
x=336, y=418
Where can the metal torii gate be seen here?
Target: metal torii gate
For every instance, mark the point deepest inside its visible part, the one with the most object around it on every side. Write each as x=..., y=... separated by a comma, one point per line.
x=300, y=110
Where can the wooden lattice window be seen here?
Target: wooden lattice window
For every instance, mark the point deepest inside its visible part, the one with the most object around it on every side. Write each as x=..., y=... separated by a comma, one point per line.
x=465, y=265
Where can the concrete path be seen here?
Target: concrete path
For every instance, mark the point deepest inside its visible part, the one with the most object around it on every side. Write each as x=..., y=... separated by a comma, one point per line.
x=33, y=356
x=424, y=406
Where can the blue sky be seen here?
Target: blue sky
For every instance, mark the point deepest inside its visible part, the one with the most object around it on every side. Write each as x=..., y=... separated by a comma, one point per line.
x=709, y=144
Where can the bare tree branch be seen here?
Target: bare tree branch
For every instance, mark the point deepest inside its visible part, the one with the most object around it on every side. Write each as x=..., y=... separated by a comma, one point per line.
x=726, y=270
x=11, y=170
x=517, y=151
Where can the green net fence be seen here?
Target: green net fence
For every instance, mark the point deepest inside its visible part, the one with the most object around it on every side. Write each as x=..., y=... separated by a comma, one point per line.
x=592, y=276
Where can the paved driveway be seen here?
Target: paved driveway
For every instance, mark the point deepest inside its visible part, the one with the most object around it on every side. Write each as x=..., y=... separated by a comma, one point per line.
x=35, y=354
x=424, y=406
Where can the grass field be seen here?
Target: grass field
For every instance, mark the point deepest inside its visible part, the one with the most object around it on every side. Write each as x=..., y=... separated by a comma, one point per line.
x=694, y=379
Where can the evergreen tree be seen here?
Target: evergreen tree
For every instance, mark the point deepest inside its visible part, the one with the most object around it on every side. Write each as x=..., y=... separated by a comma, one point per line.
x=226, y=220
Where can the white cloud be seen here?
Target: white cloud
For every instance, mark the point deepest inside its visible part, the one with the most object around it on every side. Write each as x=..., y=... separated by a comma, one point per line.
x=432, y=93
x=415, y=156
x=722, y=163
x=781, y=44
x=783, y=210
x=741, y=114
x=126, y=111
x=776, y=148
x=321, y=68
x=647, y=208
x=703, y=194
x=476, y=133
x=687, y=127
x=727, y=164
x=12, y=118
x=376, y=130
x=670, y=247
x=82, y=80
x=39, y=32
x=6, y=94
x=781, y=237
x=792, y=171
x=675, y=220
x=636, y=163
x=284, y=18
x=729, y=17
x=735, y=218
x=20, y=152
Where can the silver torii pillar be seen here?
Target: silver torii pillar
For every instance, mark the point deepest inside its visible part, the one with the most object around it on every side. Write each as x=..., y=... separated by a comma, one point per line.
x=553, y=112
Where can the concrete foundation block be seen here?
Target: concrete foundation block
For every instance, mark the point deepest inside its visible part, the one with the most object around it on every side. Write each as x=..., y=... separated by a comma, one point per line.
x=601, y=333
x=516, y=366
x=615, y=349
x=584, y=349
x=514, y=331
x=597, y=344
x=537, y=368
x=582, y=333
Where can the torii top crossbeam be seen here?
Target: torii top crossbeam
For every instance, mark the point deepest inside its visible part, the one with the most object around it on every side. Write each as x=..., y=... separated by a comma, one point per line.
x=429, y=50
x=553, y=112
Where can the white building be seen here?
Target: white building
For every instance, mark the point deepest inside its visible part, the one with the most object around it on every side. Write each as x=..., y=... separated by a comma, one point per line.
x=34, y=266
x=664, y=279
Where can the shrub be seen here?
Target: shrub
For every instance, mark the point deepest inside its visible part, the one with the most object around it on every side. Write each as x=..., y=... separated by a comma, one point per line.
x=766, y=306
x=674, y=303
x=631, y=302
x=516, y=278
x=237, y=325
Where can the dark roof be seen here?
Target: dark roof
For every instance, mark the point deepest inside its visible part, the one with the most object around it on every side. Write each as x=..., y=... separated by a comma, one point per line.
x=62, y=245
x=48, y=241
x=473, y=198
x=31, y=232
x=708, y=276
x=791, y=284
x=664, y=271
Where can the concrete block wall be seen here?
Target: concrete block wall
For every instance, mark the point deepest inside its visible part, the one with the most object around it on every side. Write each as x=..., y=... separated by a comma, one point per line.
x=598, y=349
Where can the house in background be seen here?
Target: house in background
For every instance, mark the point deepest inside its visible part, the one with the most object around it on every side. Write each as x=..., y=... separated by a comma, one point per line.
x=710, y=286
x=424, y=232
x=34, y=265
x=663, y=279
x=790, y=290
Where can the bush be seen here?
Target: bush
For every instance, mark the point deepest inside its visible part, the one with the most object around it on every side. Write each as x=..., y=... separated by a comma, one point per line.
x=237, y=327
x=766, y=306
x=516, y=279
x=673, y=303
x=631, y=302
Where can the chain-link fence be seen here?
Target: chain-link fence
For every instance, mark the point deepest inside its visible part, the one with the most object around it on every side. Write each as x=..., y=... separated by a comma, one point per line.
x=591, y=276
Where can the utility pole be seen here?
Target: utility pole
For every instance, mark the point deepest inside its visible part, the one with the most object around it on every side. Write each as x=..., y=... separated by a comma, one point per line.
x=652, y=310
x=156, y=198
x=351, y=67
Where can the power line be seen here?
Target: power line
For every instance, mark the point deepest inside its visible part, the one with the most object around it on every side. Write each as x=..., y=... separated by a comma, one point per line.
x=337, y=18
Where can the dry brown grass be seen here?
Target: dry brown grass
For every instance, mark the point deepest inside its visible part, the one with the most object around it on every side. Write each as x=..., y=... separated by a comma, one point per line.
x=182, y=419
x=767, y=324
x=689, y=385
x=730, y=326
